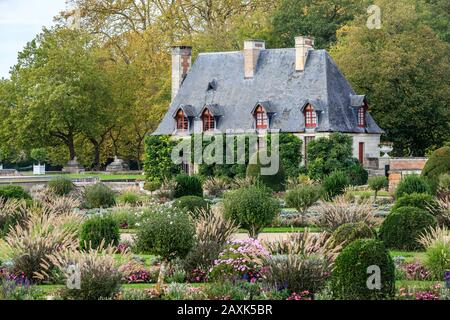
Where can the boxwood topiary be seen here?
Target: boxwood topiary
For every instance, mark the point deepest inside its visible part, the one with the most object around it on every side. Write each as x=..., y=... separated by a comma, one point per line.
x=14, y=192
x=98, y=229
x=402, y=227
x=352, y=270
x=253, y=208
x=412, y=184
x=274, y=182
x=349, y=232
x=417, y=200
x=191, y=204
x=357, y=175
x=437, y=164
x=188, y=186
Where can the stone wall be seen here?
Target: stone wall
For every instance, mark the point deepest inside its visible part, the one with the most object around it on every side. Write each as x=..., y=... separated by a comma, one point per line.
x=401, y=167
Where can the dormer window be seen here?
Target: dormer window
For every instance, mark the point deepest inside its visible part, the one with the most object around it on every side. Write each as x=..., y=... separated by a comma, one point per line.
x=310, y=117
x=182, y=121
x=362, y=117
x=261, y=118
x=208, y=121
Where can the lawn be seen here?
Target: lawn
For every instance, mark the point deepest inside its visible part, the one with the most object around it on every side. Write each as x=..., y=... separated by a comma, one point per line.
x=101, y=176
x=409, y=255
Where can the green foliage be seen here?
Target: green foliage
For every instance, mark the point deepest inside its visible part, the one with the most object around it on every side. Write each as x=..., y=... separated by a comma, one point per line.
x=158, y=163
x=437, y=164
x=357, y=175
x=438, y=259
x=152, y=186
x=14, y=192
x=335, y=184
x=326, y=155
x=349, y=232
x=391, y=55
x=253, y=208
x=412, y=184
x=188, y=186
x=350, y=275
x=417, y=200
x=191, y=204
x=99, y=196
x=166, y=232
x=303, y=197
x=39, y=154
x=130, y=197
x=290, y=154
x=402, y=228
x=378, y=183
x=61, y=186
x=319, y=19
x=274, y=181
x=98, y=229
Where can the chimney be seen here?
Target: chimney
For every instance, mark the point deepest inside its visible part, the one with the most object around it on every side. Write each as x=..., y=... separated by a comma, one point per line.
x=252, y=49
x=181, y=64
x=302, y=46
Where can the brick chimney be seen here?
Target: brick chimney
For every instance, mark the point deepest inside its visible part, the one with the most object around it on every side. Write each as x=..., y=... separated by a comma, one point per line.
x=181, y=64
x=302, y=46
x=252, y=49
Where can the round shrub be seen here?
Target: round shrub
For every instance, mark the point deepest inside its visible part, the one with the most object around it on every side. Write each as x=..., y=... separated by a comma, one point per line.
x=253, y=208
x=349, y=232
x=167, y=232
x=98, y=229
x=437, y=164
x=99, y=196
x=335, y=184
x=191, y=204
x=412, y=184
x=417, y=200
x=357, y=175
x=274, y=182
x=61, y=186
x=402, y=227
x=188, y=186
x=14, y=192
x=303, y=197
x=350, y=274
x=152, y=186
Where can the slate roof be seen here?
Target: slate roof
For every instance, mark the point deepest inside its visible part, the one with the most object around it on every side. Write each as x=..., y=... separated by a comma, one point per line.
x=277, y=86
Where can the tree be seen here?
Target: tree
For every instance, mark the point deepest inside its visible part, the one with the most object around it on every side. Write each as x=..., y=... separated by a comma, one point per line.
x=326, y=155
x=319, y=19
x=303, y=197
x=377, y=184
x=403, y=69
x=39, y=154
x=62, y=91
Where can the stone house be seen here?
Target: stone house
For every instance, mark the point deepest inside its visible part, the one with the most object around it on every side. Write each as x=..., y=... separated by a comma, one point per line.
x=293, y=90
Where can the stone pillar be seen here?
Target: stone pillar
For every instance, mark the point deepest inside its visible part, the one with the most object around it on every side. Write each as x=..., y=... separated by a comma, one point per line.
x=302, y=46
x=181, y=64
x=252, y=49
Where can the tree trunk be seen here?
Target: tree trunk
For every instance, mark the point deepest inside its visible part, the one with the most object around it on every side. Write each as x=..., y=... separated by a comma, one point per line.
x=71, y=146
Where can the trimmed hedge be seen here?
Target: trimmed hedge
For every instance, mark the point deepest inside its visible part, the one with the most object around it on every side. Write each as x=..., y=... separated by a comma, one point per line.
x=416, y=200
x=357, y=175
x=350, y=274
x=98, y=229
x=437, y=164
x=412, y=184
x=191, y=204
x=188, y=186
x=14, y=192
x=349, y=232
x=402, y=227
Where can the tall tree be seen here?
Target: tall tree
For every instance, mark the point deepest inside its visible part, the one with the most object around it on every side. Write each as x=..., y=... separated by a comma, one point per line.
x=62, y=91
x=403, y=68
x=317, y=18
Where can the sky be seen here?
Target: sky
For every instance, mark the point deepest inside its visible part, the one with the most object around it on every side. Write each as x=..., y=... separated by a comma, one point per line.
x=20, y=22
